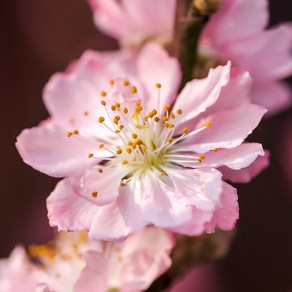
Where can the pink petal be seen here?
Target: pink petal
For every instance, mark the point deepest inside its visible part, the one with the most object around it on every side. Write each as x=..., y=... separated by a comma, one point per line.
x=227, y=212
x=119, y=219
x=199, y=94
x=275, y=63
x=48, y=149
x=275, y=96
x=235, y=158
x=69, y=211
x=167, y=73
x=235, y=20
x=244, y=175
x=198, y=187
x=161, y=204
x=229, y=129
x=94, y=275
x=146, y=255
x=106, y=184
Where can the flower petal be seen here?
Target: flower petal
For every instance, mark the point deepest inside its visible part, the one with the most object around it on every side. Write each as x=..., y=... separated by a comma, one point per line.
x=161, y=204
x=94, y=274
x=48, y=149
x=244, y=175
x=69, y=211
x=228, y=130
x=119, y=219
x=227, y=212
x=199, y=94
x=275, y=96
x=167, y=72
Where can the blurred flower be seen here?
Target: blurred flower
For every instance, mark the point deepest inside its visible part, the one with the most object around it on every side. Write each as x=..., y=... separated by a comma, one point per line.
x=237, y=32
x=134, y=21
x=74, y=263
x=135, y=154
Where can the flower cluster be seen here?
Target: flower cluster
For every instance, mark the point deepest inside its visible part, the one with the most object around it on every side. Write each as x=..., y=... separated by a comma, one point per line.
x=140, y=158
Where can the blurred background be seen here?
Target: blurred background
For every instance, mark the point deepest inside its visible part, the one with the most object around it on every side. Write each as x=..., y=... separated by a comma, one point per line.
x=39, y=38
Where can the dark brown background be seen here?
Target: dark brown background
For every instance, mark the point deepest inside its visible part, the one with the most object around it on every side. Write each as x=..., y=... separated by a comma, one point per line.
x=40, y=37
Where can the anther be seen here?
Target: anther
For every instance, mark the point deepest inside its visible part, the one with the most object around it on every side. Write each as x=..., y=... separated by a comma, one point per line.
x=76, y=132
x=69, y=134
x=135, y=136
x=86, y=113
x=117, y=105
x=179, y=111
x=158, y=85
x=125, y=110
x=167, y=107
x=185, y=130
x=201, y=158
x=169, y=139
x=112, y=82
x=100, y=170
x=164, y=118
x=113, y=108
x=94, y=194
x=134, y=89
x=215, y=149
x=101, y=146
x=125, y=161
x=119, y=151
x=126, y=83
x=121, y=127
x=90, y=155
x=103, y=93
x=157, y=119
x=103, y=102
x=172, y=116
x=129, y=150
x=162, y=173
x=208, y=124
x=101, y=119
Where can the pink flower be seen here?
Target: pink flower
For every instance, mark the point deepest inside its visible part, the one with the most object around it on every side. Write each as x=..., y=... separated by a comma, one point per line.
x=74, y=263
x=237, y=32
x=133, y=21
x=141, y=155
x=17, y=273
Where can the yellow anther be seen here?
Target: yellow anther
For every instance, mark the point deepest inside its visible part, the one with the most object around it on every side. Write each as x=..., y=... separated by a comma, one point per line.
x=157, y=119
x=103, y=102
x=201, y=158
x=121, y=127
x=117, y=131
x=126, y=83
x=112, y=82
x=100, y=170
x=101, y=119
x=135, y=136
x=125, y=110
x=76, y=132
x=90, y=155
x=129, y=150
x=139, y=109
x=117, y=105
x=138, y=103
x=170, y=126
x=103, y=93
x=167, y=107
x=119, y=151
x=162, y=173
x=130, y=143
x=172, y=116
x=69, y=134
x=125, y=161
x=215, y=149
x=169, y=139
x=113, y=108
x=134, y=89
x=145, y=118
x=208, y=124
x=116, y=119
x=86, y=113
x=138, y=142
x=158, y=85
x=101, y=146
x=94, y=194
x=152, y=113
x=185, y=130
x=144, y=148
x=164, y=119
x=179, y=111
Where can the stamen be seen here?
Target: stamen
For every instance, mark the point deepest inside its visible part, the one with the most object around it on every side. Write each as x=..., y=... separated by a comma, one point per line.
x=101, y=146
x=101, y=119
x=208, y=124
x=169, y=139
x=119, y=151
x=158, y=85
x=215, y=149
x=157, y=119
x=90, y=155
x=185, y=130
x=201, y=158
x=69, y=134
x=103, y=102
x=100, y=170
x=125, y=110
x=179, y=111
x=76, y=132
x=112, y=82
x=134, y=136
x=125, y=161
x=126, y=83
x=134, y=89
x=86, y=113
x=103, y=93
x=94, y=194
